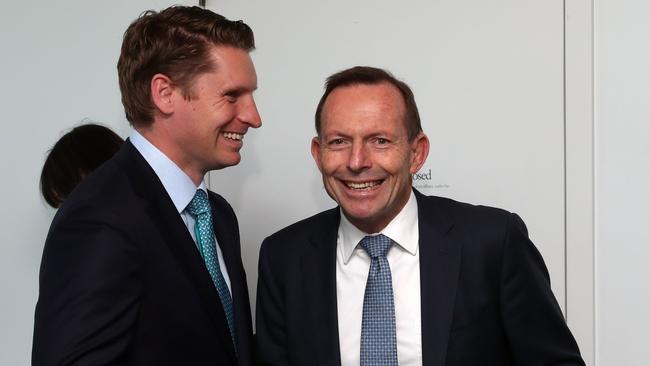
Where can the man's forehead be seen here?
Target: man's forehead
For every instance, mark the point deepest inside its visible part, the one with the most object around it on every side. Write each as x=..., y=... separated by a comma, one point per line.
x=364, y=92
x=235, y=66
x=360, y=97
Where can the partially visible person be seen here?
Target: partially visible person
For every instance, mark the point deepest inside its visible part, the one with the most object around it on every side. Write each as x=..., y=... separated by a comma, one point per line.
x=392, y=276
x=73, y=157
x=142, y=263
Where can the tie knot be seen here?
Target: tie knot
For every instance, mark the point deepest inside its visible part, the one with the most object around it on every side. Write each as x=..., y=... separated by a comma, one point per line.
x=199, y=203
x=377, y=245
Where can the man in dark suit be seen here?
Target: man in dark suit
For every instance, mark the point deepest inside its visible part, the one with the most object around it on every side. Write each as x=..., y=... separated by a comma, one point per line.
x=142, y=264
x=392, y=276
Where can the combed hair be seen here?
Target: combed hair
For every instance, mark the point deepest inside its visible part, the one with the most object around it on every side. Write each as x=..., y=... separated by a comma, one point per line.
x=366, y=75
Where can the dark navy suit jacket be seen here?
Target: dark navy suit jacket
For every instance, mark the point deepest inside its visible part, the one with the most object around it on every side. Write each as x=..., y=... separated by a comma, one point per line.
x=485, y=292
x=122, y=283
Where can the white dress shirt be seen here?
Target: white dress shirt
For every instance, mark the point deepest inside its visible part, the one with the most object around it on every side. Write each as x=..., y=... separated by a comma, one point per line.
x=178, y=185
x=352, y=267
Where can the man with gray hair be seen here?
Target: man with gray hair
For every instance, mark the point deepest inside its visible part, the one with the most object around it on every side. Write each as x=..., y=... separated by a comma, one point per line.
x=392, y=276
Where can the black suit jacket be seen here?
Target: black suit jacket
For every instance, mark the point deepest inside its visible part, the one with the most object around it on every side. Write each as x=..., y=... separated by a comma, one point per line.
x=122, y=282
x=485, y=292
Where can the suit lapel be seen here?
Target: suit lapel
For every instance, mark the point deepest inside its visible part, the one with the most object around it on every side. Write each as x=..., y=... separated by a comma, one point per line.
x=319, y=271
x=176, y=237
x=227, y=233
x=439, y=270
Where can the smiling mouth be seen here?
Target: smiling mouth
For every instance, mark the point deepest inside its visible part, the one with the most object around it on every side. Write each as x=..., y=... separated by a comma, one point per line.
x=363, y=186
x=233, y=136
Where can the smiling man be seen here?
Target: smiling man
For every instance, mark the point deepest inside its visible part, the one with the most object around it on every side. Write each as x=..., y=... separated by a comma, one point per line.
x=142, y=263
x=391, y=276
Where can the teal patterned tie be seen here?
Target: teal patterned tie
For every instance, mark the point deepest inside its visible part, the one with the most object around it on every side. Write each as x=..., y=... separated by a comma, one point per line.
x=199, y=207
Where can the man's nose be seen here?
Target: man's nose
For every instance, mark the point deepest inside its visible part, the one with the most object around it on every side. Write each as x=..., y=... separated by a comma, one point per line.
x=248, y=113
x=359, y=157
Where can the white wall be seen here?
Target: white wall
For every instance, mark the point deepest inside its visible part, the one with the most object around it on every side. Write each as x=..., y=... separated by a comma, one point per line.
x=622, y=151
x=58, y=65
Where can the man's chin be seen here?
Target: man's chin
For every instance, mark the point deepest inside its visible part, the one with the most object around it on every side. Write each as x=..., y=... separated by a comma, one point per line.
x=225, y=163
x=362, y=219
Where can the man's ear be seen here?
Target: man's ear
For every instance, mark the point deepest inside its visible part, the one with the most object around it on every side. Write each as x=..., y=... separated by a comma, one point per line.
x=162, y=92
x=419, y=151
x=315, y=151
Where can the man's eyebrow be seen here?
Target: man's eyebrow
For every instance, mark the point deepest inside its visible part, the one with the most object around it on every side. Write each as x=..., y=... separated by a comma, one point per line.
x=239, y=90
x=336, y=134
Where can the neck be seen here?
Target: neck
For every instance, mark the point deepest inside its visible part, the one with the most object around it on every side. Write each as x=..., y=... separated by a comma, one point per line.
x=162, y=141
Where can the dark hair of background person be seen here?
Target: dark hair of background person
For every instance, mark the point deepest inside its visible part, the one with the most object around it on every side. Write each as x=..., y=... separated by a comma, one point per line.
x=366, y=75
x=74, y=157
x=175, y=42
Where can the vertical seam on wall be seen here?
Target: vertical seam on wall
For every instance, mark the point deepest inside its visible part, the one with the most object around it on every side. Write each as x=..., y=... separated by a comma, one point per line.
x=566, y=273
x=593, y=179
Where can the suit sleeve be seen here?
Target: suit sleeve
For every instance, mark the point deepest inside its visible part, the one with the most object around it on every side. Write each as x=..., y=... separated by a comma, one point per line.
x=88, y=296
x=534, y=324
x=270, y=339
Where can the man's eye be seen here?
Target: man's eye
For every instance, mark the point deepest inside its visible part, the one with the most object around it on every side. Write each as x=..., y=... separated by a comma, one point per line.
x=232, y=96
x=337, y=143
x=382, y=141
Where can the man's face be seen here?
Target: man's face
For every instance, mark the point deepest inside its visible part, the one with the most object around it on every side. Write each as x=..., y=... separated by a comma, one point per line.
x=364, y=154
x=208, y=130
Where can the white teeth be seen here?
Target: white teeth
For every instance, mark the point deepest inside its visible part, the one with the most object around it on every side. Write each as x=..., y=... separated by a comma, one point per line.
x=364, y=185
x=233, y=136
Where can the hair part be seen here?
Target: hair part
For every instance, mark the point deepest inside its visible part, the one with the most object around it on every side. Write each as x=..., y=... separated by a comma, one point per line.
x=366, y=75
x=73, y=157
x=177, y=43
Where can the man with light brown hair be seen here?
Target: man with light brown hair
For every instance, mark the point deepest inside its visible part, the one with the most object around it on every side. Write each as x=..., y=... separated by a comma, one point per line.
x=142, y=264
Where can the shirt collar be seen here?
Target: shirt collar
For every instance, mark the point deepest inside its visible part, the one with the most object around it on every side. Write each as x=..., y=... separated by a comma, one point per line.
x=178, y=185
x=403, y=230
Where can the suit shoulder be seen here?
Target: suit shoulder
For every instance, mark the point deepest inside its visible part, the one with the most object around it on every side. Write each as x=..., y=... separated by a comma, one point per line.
x=463, y=211
x=482, y=228
x=113, y=196
x=303, y=230
x=102, y=192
